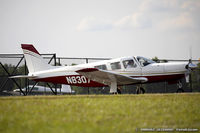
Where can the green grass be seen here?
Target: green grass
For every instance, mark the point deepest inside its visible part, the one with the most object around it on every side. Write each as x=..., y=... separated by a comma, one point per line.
x=98, y=113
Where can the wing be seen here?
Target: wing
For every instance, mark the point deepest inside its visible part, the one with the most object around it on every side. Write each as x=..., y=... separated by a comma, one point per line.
x=106, y=77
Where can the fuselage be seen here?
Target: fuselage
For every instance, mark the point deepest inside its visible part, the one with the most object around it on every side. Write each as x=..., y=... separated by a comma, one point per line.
x=129, y=66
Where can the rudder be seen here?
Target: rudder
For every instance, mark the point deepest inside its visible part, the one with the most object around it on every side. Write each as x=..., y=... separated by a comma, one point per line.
x=34, y=60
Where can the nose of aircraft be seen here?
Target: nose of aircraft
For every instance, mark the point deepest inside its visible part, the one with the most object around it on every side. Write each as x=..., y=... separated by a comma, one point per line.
x=191, y=65
x=175, y=66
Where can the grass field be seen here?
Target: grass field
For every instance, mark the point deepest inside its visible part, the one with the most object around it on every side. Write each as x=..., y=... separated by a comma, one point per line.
x=98, y=113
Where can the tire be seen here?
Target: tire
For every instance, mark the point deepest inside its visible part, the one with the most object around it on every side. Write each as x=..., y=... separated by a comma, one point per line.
x=119, y=91
x=140, y=90
x=180, y=90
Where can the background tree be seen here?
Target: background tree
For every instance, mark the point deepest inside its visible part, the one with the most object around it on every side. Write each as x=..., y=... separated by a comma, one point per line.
x=195, y=75
x=4, y=81
x=156, y=59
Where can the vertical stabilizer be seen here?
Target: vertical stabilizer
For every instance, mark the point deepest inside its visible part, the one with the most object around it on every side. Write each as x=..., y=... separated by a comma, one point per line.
x=34, y=60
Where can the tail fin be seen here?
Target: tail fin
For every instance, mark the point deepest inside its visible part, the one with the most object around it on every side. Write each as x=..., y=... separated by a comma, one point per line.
x=34, y=60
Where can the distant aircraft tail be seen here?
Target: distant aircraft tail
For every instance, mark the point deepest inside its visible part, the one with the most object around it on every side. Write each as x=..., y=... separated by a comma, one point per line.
x=34, y=60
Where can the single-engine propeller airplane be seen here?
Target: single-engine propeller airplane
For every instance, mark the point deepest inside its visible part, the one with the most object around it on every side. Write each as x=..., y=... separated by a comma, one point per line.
x=113, y=73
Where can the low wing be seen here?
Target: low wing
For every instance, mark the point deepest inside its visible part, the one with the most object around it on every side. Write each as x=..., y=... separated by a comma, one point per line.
x=106, y=77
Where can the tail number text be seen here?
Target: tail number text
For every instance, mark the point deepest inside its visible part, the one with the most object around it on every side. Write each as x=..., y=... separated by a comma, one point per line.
x=77, y=80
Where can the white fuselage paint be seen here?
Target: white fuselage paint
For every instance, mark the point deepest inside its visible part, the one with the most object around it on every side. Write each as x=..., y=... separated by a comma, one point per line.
x=153, y=69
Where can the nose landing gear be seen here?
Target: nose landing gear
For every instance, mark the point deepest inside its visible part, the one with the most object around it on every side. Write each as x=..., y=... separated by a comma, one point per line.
x=180, y=87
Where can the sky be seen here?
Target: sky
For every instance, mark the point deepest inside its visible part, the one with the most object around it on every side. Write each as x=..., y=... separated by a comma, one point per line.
x=167, y=29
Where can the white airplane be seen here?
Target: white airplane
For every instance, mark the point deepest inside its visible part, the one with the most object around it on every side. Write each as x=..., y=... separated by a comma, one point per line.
x=113, y=73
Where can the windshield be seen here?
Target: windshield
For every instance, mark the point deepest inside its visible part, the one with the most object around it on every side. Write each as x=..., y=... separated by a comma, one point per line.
x=144, y=61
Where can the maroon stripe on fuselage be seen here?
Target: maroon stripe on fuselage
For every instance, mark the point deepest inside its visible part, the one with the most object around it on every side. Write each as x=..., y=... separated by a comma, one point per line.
x=162, y=78
x=29, y=47
x=151, y=79
x=63, y=80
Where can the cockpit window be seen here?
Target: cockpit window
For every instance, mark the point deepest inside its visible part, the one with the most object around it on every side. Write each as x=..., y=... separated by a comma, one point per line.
x=129, y=63
x=144, y=61
x=103, y=67
x=115, y=65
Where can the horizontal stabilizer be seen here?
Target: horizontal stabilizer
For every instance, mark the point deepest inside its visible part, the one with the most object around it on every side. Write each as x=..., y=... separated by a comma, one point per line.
x=22, y=76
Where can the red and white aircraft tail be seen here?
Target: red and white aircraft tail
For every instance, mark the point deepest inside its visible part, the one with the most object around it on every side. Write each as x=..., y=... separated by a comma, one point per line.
x=34, y=60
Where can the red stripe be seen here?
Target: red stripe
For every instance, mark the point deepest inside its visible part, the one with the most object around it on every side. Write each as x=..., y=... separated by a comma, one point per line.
x=62, y=80
x=29, y=47
x=162, y=78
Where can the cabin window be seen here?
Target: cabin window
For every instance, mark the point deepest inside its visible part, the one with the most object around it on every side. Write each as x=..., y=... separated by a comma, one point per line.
x=102, y=67
x=129, y=63
x=144, y=61
x=115, y=65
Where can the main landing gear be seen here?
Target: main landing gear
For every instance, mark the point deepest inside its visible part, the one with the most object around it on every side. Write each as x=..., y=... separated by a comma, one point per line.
x=140, y=90
x=115, y=89
x=119, y=90
x=180, y=87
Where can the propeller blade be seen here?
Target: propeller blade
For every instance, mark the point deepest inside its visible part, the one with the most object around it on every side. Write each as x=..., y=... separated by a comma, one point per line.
x=192, y=66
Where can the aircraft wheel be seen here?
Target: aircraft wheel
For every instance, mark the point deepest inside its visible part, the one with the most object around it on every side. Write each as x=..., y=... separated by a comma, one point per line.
x=140, y=90
x=180, y=90
x=180, y=87
x=119, y=91
x=114, y=93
